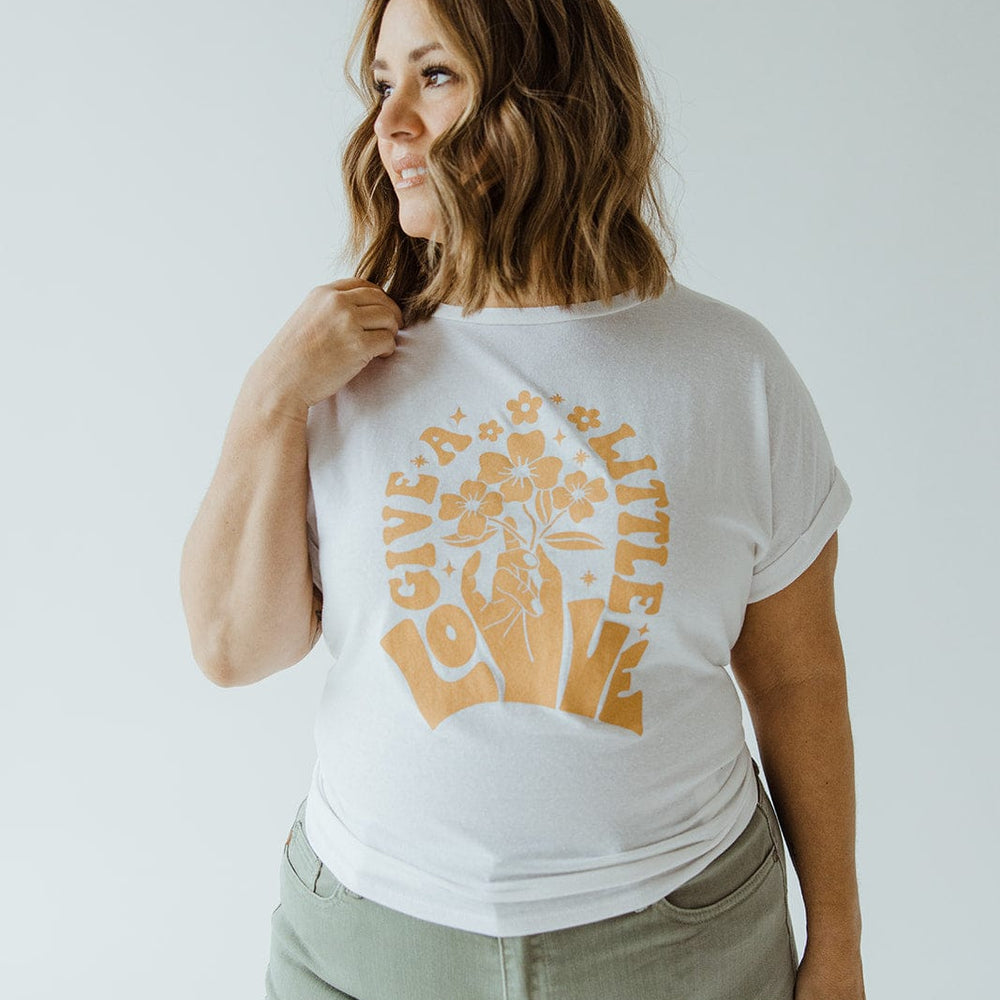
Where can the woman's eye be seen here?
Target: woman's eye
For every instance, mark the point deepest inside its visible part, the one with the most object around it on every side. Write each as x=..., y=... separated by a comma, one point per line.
x=382, y=88
x=436, y=71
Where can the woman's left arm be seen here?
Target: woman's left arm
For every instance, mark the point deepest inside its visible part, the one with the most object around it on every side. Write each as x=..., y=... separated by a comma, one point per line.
x=789, y=664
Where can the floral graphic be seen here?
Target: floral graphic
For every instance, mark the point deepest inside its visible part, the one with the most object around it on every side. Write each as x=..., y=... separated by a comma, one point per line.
x=524, y=409
x=579, y=495
x=527, y=586
x=509, y=628
x=472, y=505
x=490, y=431
x=523, y=469
x=584, y=419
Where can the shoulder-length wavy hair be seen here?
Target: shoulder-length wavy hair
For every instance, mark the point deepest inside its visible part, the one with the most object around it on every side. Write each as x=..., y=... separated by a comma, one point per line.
x=546, y=181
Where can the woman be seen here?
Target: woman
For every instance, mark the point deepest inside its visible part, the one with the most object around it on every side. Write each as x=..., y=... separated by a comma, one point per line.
x=539, y=494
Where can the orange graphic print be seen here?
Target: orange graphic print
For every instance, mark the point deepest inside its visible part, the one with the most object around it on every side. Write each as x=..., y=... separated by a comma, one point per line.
x=477, y=556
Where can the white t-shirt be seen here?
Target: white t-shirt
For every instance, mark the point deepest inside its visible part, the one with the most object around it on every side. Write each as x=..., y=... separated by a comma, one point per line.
x=536, y=531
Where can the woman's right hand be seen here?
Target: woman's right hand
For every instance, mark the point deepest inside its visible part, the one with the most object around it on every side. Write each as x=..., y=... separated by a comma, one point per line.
x=336, y=331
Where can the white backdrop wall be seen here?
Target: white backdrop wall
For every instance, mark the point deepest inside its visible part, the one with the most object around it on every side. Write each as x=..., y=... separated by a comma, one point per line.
x=171, y=191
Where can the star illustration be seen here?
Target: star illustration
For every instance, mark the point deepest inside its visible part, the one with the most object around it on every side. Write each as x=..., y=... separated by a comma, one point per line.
x=449, y=569
x=419, y=461
x=559, y=437
x=588, y=578
x=644, y=630
x=458, y=416
x=580, y=457
x=556, y=398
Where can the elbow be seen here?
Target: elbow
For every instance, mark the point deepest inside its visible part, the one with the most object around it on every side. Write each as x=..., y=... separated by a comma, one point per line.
x=226, y=668
x=214, y=666
x=212, y=656
x=217, y=660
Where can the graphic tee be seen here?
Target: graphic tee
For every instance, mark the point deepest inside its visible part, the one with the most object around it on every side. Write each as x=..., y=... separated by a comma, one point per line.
x=536, y=532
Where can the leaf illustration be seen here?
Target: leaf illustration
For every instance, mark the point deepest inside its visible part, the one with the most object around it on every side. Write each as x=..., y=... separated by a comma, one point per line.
x=543, y=505
x=573, y=540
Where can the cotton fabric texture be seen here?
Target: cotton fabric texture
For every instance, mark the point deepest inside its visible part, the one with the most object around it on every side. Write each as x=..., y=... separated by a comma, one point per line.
x=536, y=532
x=725, y=935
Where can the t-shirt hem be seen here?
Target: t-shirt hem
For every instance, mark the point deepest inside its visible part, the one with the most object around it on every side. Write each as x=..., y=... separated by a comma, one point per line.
x=521, y=917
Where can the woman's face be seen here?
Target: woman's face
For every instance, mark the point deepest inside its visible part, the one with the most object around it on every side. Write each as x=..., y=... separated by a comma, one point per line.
x=424, y=89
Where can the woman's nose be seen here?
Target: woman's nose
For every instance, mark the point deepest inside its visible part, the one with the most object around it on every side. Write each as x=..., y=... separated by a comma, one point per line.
x=397, y=117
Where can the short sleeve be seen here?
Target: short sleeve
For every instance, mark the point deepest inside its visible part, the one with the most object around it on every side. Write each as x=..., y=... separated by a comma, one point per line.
x=312, y=535
x=808, y=494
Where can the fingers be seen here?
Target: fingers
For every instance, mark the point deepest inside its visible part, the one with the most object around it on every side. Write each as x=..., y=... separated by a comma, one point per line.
x=473, y=599
x=377, y=316
x=346, y=284
x=368, y=293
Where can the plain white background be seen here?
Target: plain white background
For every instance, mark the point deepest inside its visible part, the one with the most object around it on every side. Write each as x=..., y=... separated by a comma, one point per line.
x=171, y=191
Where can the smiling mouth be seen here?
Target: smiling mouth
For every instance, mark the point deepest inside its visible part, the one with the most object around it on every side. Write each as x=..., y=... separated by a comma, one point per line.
x=412, y=176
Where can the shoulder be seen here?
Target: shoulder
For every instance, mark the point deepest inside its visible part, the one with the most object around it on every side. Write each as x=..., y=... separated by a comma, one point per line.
x=723, y=335
x=724, y=317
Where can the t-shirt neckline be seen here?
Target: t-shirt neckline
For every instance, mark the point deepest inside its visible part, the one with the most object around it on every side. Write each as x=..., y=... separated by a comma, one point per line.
x=533, y=315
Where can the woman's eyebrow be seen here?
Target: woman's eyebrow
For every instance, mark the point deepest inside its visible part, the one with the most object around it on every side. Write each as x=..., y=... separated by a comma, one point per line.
x=415, y=56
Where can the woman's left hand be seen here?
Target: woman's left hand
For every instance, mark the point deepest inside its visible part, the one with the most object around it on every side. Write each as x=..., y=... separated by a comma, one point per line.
x=830, y=975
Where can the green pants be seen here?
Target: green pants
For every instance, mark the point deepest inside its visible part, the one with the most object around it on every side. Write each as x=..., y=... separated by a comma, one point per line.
x=724, y=935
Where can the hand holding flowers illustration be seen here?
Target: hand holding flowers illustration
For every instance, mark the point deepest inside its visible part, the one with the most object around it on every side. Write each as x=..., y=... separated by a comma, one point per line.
x=522, y=620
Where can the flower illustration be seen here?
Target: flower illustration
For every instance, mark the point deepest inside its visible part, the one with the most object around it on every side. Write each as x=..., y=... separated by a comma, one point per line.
x=583, y=418
x=471, y=505
x=524, y=409
x=579, y=495
x=522, y=469
x=491, y=431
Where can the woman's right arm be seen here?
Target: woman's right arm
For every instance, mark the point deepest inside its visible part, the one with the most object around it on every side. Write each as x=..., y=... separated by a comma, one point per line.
x=246, y=582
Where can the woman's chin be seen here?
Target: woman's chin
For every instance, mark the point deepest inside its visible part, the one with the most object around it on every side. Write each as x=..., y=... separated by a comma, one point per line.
x=418, y=229
x=416, y=221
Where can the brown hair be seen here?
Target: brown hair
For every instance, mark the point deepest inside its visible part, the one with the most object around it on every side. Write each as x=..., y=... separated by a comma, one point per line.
x=558, y=148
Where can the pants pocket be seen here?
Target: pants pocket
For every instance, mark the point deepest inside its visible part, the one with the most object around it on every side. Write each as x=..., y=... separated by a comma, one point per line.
x=730, y=878
x=305, y=872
